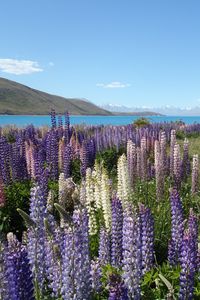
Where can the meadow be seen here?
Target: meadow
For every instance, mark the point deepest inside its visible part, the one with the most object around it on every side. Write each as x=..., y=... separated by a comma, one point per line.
x=100, y=212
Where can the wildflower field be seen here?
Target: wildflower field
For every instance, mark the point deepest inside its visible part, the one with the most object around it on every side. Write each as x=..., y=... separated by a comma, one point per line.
x=99, y=212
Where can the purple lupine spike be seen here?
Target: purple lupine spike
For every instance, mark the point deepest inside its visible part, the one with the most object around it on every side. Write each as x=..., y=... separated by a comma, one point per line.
x=186, y=160
x=193, y=228
x=117, y=291
x=3, y=281
x=96, y=274
x=84, y=159
x=104, y=247
x=4, y=160
x=116, y=233
x=60, y=126
x=143, y=158
x=25, y=275
x=12, y=266
x=67, y=161
x=177, y=228
x=76, y=282
x=53, y=118
x=132, y=255
x=147, y=233
x=172, y=143
x=188, y=266
x=195, y=174
x=67, y=127
x=36, y=237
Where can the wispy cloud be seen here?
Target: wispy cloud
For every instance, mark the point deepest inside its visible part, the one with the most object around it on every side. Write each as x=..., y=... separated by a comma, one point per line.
x=113, y=85
x=19, y=67
x=51, y=64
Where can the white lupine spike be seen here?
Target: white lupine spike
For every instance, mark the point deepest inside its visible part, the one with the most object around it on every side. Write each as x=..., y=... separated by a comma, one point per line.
x=132, y=161
x=97, y=184
x=90, y=201
x=195, y=174
x=105, y=199
x=123, y=184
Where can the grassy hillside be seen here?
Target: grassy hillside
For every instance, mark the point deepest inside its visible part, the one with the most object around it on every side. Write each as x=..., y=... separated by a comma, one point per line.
x=19, y=99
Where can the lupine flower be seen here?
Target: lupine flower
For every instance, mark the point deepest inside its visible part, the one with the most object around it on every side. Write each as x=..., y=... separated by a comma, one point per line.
x=143, y=158
x=177, y=228
x=186, y=160
x=117, y=291
x=177, y=165
x=188, y=266
x=36, y=237
x=96, y=274
x=90, y=202
x=132, y=256
x=172, y=144
x=147, y=237
x=76, y=282
x=104, y=247
x=116, y=233
x=123, y=180
x=159, y=172
x=2, y=194
x=105, y=199
x=132, y=161
x=195, y=174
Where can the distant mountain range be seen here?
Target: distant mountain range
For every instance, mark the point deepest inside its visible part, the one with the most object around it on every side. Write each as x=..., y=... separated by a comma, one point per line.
x=18, y=99
x=165, y=110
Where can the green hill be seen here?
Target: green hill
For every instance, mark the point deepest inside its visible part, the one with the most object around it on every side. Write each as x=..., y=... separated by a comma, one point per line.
x=18, y=99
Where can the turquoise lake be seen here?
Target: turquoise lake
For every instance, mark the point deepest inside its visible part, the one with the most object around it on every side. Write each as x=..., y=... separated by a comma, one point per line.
x=22, y=121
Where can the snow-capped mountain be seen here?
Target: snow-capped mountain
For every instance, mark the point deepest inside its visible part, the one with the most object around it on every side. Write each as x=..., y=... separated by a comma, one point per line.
x=165, y=110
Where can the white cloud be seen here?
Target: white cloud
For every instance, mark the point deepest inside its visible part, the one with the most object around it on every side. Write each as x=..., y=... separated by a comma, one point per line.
x=51, y=64
x=19, y=67
x=113, y=85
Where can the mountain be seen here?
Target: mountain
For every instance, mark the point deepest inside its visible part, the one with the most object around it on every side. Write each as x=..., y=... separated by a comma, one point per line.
x=136, y=111
x=18, y=99
x=163, y=110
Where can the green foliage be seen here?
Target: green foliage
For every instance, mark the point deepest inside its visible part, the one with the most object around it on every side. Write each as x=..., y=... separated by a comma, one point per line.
x=141, y=122
x=75, y=167
x=109, y=158
x=17, y=196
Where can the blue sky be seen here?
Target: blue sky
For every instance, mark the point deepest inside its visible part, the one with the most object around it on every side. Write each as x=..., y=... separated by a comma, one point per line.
x=135, y=53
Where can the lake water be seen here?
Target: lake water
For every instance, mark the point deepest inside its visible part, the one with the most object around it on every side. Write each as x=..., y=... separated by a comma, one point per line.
x=22, y=121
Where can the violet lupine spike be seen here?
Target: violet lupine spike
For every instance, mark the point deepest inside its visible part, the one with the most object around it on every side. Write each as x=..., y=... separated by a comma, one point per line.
x=3, y=281
x=172, y=144
x=195, y=174
x=53, y=118
x=143, y=158
x=188, y=266
x=104, y=247
x=2, y=194
x=84, y=159
x=147, y=233
x=132, y=255
x=117, y=291
x=96, y=274
x=177, y=228
x=116, y=233
x=67, y=127
x=193, y=228
x=76, y=283
x=36, y=237
x=25, y=274
x=67, y=161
